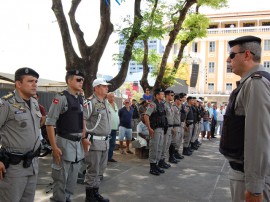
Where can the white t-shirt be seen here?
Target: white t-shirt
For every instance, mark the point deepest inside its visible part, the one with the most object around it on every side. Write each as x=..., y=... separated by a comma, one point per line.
x=220, y=114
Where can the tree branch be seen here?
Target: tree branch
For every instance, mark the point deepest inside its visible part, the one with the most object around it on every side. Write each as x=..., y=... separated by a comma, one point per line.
x=76, y=28
x=144, y=82
x=70, y=54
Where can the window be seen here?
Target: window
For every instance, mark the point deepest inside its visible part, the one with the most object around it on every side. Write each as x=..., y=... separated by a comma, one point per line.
x=230, y=25
x=266, y=45
x=195, y=47
x=266, y=64
x=212, y=46
x=229, y=86
x=249, y=24
x=213, y=26
x=211, y=67
x=265, y=23
x=228, y=69
x=211, y=86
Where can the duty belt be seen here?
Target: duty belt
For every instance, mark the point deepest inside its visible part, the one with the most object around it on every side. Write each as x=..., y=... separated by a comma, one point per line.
x=170, y=125
x=95, y=137
x=176, y=125
x=236, y=166
x=74, y=138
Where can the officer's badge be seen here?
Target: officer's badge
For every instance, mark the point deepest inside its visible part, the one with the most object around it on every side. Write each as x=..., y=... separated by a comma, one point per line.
x=77, y=72
x=26, y=70
x=16, y=105
x=23, y=124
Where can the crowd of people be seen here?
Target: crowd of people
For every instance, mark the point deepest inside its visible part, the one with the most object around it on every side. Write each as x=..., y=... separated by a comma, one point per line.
x=84, y=130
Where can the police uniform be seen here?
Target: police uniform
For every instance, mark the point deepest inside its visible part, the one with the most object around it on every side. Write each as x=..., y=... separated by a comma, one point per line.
x=157, y=117
x=99, y=125
x=19, y=130
x=66, y=114
x=245, y=139
x=177, y=137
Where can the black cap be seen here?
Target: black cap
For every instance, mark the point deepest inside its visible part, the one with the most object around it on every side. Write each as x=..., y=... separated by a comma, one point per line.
x=244, y=39
x=25, y=71
x=167, y=92
x=158, y=90
x=189, y=98
x=194, y=98
x=74, y=72
x=182, y=94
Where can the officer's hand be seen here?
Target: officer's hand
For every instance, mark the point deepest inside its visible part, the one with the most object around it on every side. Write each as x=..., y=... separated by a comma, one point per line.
x=174, y=131
x=251, y=198
x=2, y=170
x=86, y=143
x=151, y=132
x=186, y=129
x=57, y=153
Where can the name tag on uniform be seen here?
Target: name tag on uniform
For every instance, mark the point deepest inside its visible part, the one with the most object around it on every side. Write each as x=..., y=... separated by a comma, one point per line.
x=20, y=111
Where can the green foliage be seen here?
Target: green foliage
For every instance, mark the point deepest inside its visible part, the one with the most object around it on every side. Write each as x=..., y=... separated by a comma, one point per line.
x=134, y=94
x=215, y=4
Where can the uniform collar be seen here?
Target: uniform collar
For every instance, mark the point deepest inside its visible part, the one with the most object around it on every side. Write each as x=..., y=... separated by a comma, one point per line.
x=95, y=96
x=255, y=69
x=70, y=92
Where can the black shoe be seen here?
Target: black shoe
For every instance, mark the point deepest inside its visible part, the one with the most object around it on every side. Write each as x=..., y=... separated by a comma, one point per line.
x=167, y=164
x=178, y=156
x=98, y=197
x=90, y=197
x=153, y=169
x=214, y=137
x=112, y=160
x=186, y=152
x=173, y=160
x=159, y=169
x=162, y=164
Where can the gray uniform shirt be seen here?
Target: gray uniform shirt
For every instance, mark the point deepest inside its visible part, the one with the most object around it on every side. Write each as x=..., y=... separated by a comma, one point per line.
x=71, y=150
x=99, y=121
x=19, y=130
x=253, y=101
x=169, y=112
x=177, y=115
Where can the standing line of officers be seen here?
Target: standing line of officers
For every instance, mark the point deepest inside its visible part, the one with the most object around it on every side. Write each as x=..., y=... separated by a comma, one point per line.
x=172, y=119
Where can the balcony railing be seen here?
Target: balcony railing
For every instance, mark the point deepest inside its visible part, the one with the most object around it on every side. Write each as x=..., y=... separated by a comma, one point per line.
x=238, y=30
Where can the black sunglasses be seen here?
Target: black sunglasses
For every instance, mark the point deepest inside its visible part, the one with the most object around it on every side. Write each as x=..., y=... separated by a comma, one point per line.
x=79, y=79
x=232, y=54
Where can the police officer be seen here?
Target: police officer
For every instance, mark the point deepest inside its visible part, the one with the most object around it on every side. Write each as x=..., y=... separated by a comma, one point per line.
x=99, y=128
x=19, y=129
x=245, y=140
x=196, y=121
x=156, y=121
x=188, y=128
x=66, y=114
x=177, y=136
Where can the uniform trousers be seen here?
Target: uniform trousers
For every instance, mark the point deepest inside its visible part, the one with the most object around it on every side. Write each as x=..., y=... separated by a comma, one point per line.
x=166, y=144
x=181, y=131
x=65, y=179
x=18, y=189
x=237, y=186
x=188, y=135
x=96, y=161
x=195, y=135
x=155, y=145
x=176, y=137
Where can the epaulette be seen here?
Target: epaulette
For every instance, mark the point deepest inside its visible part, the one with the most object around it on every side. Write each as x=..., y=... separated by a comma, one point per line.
x=256, y=76
x=8, y=96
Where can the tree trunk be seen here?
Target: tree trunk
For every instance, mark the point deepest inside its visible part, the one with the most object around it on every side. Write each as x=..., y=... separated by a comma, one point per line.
x=144, y=82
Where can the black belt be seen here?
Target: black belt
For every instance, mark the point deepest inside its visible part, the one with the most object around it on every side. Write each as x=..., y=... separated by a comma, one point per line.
x=70, y=137
x=176, y=125
x=170, y=125
x=236, y=166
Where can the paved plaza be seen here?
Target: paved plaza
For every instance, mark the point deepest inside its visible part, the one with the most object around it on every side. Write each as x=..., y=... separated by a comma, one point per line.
x=202, y=177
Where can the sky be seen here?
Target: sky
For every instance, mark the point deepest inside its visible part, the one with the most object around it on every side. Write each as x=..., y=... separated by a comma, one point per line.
x=30, y=35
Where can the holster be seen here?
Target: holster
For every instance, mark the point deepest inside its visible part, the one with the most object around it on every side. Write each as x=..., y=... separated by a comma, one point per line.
x=4, y=158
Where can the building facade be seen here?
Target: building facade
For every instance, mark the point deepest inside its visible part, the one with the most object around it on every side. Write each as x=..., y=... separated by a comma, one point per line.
x=211, y=52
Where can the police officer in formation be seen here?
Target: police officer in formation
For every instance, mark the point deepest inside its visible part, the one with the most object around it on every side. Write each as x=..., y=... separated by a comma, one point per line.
x=177, y=135
x=156, y=122
x=66, y=114
x=183, y=115
x=19, y=130
x=98, y=127
x=245, y=139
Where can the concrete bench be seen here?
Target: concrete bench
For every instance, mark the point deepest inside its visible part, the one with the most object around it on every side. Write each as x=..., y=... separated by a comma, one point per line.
x=142, y=153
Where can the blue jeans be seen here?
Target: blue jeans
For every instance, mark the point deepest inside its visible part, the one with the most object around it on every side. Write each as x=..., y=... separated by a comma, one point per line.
x=112, y=144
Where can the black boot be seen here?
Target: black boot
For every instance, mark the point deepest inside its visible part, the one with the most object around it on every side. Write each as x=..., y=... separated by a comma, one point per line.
x=159, y=169
x=90, y=196
x=153, y=169
x=98, y=197
x=172, y=159
x=186, y=152
x=162, y=164
x=177, y=155
x=193, y=146
x=190, y=149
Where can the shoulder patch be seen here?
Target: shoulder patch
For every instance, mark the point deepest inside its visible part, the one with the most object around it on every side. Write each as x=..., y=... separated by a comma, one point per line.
x=55, y=101
x=256, y=76
x=8, y=96
x=61, y=93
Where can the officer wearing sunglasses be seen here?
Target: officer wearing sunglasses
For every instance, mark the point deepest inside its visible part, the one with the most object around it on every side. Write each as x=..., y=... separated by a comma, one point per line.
x=66, y=114
x=245, y=136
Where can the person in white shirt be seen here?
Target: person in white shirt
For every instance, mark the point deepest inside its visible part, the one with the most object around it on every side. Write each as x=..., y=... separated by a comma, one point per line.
x=142, y=133
x=220, y=118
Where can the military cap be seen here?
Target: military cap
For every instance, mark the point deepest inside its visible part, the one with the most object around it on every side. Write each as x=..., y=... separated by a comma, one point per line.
x=25, y=71
x=194, y=98
x=201, y=98
x=182, y=94
x=74, y=72
x=189, y=98
x=244, y=39
x=167, y=92
x=158, y=90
